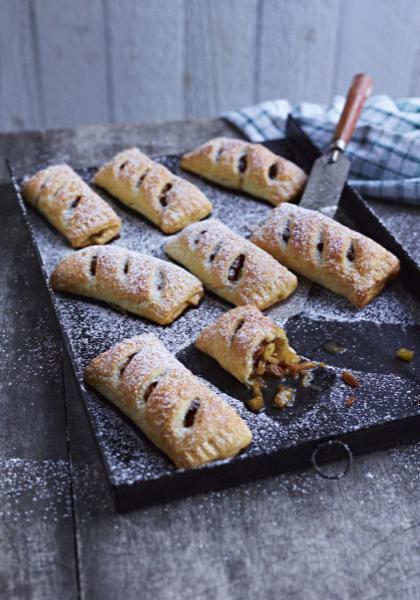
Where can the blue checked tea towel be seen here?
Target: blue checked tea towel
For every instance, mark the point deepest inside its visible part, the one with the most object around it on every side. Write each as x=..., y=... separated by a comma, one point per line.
x=384, y=150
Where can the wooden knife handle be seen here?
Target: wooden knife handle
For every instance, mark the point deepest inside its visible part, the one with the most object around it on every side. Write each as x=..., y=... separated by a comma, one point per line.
x=357, y=95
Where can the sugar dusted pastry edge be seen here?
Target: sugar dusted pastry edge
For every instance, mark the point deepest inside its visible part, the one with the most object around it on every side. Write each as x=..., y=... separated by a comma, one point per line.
x=149, y=188
x=71, y=206
x=129, y=281
x=246, y=166
x=210, y=250
x=325, y=251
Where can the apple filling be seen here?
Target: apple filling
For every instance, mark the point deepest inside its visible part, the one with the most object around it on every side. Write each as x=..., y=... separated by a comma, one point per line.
x=275, y=359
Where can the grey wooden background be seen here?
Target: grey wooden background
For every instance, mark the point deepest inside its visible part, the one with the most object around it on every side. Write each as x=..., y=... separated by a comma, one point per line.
x=66, y=63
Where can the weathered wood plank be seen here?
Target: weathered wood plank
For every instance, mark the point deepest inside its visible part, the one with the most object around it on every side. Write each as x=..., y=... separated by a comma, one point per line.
x=83, y=62
x=380, y=38
x=220, y=51
x=92, y=145
x=20, y=101
x=297, y=49
x=147, y=59
x=73, y=71
x=37, y=558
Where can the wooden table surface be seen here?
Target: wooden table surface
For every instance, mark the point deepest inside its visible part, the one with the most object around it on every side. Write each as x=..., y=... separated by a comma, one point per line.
x=291, y=536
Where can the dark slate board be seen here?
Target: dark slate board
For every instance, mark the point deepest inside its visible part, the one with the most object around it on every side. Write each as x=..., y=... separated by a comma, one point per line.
x=387, y=406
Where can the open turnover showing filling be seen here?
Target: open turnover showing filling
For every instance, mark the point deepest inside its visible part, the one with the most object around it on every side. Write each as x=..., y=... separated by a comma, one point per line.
x=276, y=359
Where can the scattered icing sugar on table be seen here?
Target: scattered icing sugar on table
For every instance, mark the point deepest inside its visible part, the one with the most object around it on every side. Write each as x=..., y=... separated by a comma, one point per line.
x=34, y=487
x=93, y=327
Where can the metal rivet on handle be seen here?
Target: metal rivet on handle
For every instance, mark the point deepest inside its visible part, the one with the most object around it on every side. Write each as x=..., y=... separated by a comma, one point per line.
x=330, y=444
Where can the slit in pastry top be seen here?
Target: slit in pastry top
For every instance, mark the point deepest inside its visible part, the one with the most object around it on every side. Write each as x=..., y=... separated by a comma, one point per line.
x=149, y=188
x=141, y=284
x=231, y=266
x=246, y=166
x=71, y=206
x=177, y=411
x=327, y=252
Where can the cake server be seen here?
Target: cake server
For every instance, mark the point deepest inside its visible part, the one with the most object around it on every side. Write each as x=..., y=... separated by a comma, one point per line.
x=329, y=172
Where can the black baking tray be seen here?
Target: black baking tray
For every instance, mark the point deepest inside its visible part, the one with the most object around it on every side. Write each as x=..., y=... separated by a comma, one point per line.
x=387, y=406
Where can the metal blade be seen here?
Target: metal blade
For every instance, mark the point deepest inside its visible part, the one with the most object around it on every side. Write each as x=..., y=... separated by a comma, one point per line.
x=326, y=182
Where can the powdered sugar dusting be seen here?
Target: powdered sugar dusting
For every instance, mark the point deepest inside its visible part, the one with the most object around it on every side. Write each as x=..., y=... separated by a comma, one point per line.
x=92, y=328
x=45, y=482
x=171, y=200
x=395, y=305
x=319, y=247
x=251, y=167
x=145, y=283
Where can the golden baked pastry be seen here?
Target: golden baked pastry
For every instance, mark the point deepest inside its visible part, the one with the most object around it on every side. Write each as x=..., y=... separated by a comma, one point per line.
x=69, y=204
x=327, y=252
x=248, y=345
x=251, y=347
x=230, y=266
x=141, y=284
x=149, y=188
x=175, y=409
x=249, y=167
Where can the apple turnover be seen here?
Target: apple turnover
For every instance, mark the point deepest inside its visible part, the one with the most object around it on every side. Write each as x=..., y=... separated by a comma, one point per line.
x=71, y=206
x=252, y=168
x=251, y=347
x=230, y=266
x=248, y=345
x=141, y=284
x=327, y=252
x=149, y=188
x=180, y=414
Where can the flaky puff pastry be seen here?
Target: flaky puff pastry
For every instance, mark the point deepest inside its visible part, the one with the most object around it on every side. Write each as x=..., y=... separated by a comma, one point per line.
x=242, y=339
x=149, y=188
x=69, y=204
x=249, y=167
x=327, y=252
x=141, y=284
x=230, y=266
x=175, y=409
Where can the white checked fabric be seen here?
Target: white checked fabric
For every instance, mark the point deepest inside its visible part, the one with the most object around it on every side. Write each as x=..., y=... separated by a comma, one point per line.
x=384, y=150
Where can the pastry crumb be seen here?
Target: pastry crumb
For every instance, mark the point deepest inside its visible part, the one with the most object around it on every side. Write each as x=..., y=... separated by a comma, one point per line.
x=284, y=396
x=350, y=401
x=256, y=403
x=305, y=366
x=333, y=348
x=405, y=354
x=350, y=379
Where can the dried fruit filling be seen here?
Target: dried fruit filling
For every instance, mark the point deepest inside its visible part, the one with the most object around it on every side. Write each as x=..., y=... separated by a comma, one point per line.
x=275, y=358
